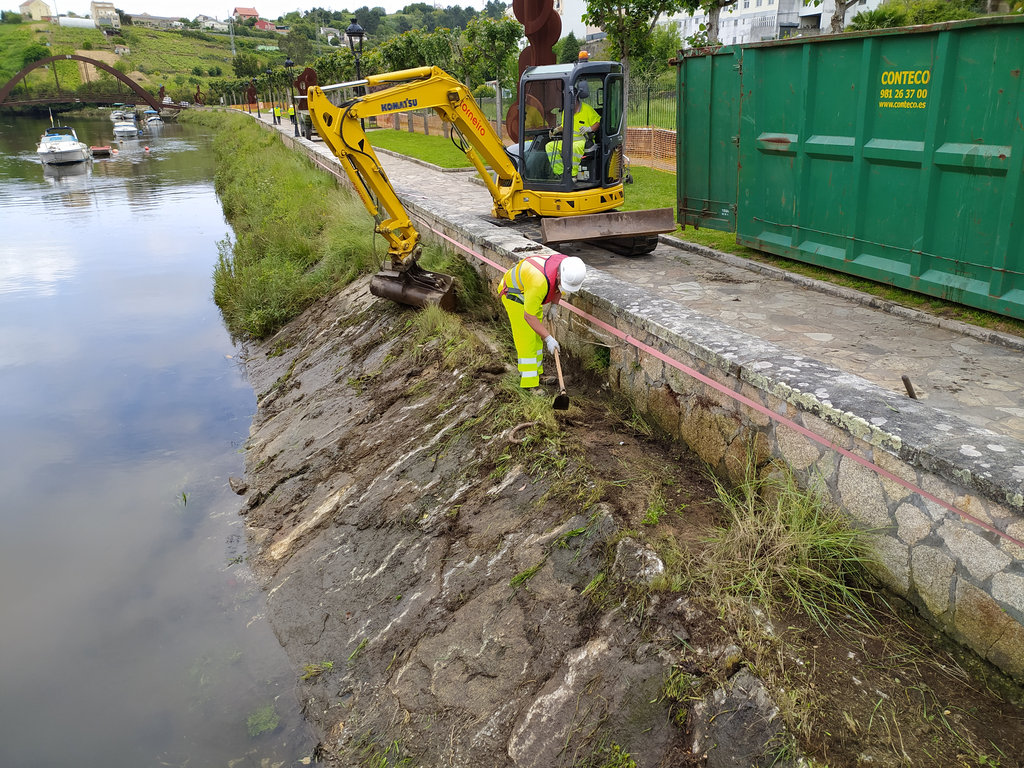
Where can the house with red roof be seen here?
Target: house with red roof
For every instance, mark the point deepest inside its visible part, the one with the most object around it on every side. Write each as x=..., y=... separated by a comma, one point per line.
x=245, y=13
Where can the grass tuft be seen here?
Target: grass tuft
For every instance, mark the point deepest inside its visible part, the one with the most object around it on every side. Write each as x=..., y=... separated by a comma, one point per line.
x=783, y=543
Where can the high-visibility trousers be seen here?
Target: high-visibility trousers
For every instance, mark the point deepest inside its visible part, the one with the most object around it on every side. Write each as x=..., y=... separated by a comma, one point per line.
x=554, y=149
x=529, y=345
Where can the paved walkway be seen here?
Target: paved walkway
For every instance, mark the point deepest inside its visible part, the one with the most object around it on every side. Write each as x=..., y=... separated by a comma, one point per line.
x=975, y=374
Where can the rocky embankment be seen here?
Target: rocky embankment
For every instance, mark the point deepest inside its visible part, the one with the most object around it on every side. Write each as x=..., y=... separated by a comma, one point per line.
x=456, y=588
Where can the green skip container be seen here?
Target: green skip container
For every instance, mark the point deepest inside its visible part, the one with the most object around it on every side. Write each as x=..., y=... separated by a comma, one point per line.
x=895, y=155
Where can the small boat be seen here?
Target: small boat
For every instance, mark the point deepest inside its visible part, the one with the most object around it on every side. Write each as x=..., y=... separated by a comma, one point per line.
x=126, y=128
x=60, y=146
x=117, y=114
x=103, y=151
x=152, y=117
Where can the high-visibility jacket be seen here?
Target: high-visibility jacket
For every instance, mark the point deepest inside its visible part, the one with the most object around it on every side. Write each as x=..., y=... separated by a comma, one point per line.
x=277, y=111
x=291, y=110
x=532, y=282
x=584, y=117
x=525, y=289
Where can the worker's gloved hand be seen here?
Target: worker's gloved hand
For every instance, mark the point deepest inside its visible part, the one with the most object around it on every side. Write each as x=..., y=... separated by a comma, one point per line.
x=552, y=344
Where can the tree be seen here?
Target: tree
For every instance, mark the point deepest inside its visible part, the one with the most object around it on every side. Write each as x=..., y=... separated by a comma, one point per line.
x=567, y=50
x=370, y=18
x=628, y=23
x=245, y=65
x=126, y=20
x=489, y=50
x=10, y=17
x=839, y=15
x=664, y=43
x=33, y=53
x=495, y=9
x=296, y=46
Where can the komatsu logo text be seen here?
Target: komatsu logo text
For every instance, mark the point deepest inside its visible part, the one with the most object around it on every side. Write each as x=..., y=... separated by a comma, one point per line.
x=393, y=105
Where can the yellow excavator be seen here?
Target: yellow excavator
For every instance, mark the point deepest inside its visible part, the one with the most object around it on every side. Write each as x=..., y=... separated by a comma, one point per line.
x=570, y=176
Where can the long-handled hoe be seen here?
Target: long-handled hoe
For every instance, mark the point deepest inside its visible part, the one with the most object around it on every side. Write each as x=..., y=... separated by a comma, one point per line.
x=562, y=399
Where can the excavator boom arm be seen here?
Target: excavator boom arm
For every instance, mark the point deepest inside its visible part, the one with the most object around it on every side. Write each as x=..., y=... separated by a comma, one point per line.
x=421, y=88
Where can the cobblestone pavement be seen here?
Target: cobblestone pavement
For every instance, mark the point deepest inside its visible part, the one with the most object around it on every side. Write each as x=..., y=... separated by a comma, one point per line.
x=972, y=373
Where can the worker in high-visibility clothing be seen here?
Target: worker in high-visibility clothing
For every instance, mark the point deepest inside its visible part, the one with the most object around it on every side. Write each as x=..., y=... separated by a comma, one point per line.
x=585, y=120
x=277, y=115
x=291, y=112
x=525, y=289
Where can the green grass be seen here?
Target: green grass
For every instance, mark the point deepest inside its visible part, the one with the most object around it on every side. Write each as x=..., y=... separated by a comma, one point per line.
x=432, y=149
x=650, y=189
x=298, y=237
x=14, y=39
x=783, y=544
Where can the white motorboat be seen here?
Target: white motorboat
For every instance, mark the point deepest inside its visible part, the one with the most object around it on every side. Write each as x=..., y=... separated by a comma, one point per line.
x=126, y=128
x=60, y=146
x=152, y=117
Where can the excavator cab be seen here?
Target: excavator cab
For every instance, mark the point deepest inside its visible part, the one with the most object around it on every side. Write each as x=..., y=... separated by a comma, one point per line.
x=571, y=126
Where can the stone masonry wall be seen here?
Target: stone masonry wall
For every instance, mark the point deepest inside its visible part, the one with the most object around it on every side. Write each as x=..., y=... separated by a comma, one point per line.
x=968, y=580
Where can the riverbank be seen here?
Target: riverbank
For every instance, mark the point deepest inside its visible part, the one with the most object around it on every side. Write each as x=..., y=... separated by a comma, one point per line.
x=463, y=577
x=340, y=491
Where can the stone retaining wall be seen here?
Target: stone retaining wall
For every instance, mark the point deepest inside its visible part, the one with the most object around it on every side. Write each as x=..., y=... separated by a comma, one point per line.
x=968, y=580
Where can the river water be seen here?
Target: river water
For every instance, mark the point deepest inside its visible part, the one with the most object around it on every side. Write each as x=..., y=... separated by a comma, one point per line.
x=131, y=630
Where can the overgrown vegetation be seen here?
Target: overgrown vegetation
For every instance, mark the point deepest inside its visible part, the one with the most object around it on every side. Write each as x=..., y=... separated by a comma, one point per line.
x=783, y=544
x=298, y=237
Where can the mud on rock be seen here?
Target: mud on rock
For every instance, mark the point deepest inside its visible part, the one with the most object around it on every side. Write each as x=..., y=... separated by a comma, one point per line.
x=451, y=596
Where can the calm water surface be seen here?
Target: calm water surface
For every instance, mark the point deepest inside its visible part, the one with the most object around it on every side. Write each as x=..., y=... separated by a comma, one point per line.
x=131, y=631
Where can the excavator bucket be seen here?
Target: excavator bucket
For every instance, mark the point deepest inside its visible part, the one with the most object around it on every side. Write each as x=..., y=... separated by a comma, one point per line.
x=416, y=287
x=630, y=233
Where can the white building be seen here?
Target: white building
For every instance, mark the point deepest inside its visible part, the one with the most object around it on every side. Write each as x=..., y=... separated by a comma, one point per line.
x=209, y=22
x=36, y=10
x=104, y=14
x=752, y=21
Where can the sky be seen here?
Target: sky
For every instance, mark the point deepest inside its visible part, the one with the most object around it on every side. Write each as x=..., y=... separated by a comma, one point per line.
x=221, y=9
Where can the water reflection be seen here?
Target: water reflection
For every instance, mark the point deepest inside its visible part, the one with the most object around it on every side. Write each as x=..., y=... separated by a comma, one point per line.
x=131, y=624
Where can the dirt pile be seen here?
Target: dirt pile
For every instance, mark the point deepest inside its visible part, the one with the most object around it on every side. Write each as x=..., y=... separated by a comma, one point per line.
x=463, y=580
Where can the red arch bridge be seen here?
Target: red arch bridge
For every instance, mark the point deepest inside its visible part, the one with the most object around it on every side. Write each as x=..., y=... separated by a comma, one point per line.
x=8, y=97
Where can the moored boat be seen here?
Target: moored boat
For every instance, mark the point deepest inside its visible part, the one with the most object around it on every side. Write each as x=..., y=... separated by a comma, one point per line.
x=103, y=151
x=126, y=128
x=59, y=145
x=152, y=117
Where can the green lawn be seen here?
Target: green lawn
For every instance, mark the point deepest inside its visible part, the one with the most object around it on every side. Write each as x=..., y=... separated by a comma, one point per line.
x=431, y=149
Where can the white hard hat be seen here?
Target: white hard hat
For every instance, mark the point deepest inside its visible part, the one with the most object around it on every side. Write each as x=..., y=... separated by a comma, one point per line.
x=571, y=272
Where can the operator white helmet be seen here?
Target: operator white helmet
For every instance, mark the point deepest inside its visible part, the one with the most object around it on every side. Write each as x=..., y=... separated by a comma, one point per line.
x=571, y=272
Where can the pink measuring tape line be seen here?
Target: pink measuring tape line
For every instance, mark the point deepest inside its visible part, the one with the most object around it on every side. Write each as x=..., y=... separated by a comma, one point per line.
x=748, y=402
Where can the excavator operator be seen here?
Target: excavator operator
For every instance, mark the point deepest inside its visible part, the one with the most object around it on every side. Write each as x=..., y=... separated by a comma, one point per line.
x=525, y=289
x=585, y=120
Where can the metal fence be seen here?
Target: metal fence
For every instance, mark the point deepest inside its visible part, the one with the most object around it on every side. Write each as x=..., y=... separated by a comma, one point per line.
x=651, y=104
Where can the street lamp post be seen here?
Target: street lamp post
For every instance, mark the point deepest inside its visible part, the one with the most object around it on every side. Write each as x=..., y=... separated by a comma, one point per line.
x=355, y=34
x=259, y=116
x=288, y=64
x=273, y=101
